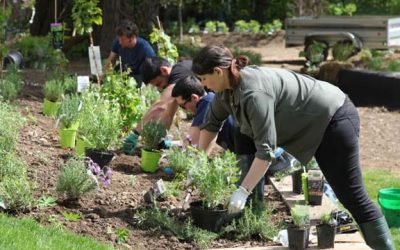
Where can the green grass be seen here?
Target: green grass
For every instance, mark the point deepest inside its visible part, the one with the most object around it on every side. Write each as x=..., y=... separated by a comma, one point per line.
x=375, y=180
x=26, y=233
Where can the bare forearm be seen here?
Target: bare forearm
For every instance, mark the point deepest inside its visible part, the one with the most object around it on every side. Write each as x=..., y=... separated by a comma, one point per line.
x=256, y=172
x=206, y=137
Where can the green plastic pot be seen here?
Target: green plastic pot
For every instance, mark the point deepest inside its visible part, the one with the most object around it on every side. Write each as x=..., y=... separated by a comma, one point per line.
x=50, y=108
x=67, y=137
x=150, y=161
x=81, y=145
x=389, y=200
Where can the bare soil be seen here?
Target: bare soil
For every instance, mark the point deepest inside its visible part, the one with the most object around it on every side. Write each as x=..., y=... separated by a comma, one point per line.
x=114, y=207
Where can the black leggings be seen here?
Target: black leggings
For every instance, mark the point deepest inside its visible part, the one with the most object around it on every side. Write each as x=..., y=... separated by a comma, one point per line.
x=338, y=158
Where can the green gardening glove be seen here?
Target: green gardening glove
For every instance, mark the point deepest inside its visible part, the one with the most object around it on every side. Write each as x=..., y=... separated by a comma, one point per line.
x=129, y=144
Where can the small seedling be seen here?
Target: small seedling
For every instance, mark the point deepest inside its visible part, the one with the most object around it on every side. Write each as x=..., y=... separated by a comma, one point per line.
x=46, y=201
x=132, y=180
x=71, y=216
x=122, y=235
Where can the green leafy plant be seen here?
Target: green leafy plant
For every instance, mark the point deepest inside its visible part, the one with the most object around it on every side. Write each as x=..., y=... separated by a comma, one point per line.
x=152, y=133
x=222, y=27
x=10, y=125
x=255, y=223
x=46, y=201
x=53, y=90
x=149, y=95
x=300, y=215
x=241, y=26
x=254, y=26
x=272, y=28
x=85, y=13
x=180, y=160
x=158, y=220
x=68, y=112
x=342, y=51
x=74, y=180
x=394, y=66
x=122, y=235
x=10, y=85
x=69, y=216
x=314, y=53
x=215, y=180
x=211, y=26
x=121, y=88
x=11, y=166
x=165, y=47
x=17, y=193
x=338, y=9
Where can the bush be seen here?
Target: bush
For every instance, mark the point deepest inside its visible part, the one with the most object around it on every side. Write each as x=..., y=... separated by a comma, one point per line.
x=342, y=51
x=11, y=166
x=152, y=134
x=180, y=160
x=11, y=123
x=11, y=85
x=74, y=180
x=53, y=90
x=68, y=111
x=17, y=193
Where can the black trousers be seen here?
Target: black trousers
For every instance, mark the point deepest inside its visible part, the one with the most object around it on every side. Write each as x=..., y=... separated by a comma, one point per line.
x=338, y=158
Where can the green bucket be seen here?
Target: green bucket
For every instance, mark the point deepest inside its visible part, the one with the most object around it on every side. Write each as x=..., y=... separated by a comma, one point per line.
x=67, y=137
x=81, y=145
x=389, y=200
x=50, y=108
x=150, y=161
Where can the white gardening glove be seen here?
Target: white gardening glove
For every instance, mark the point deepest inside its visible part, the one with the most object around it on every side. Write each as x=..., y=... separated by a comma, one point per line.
x=238, y=200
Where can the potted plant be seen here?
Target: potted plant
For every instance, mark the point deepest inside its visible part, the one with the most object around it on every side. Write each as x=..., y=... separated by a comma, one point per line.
x=53, y=91
x=299, y=230
x=215, y=181
x=68, y=118
x=152, y=134
x=180, y=160
x=103, y=131
x=326, y=231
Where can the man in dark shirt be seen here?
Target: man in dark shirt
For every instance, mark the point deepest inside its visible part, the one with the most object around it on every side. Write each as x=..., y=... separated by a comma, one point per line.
x=163, y=75
x=131, y=48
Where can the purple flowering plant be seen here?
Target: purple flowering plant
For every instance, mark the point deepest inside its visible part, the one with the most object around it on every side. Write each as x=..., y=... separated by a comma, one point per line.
x=104, y=175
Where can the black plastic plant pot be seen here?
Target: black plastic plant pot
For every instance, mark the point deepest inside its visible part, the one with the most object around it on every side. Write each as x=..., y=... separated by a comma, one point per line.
x=326, y=236
x=103, y=158
x=298, y=237
x=209, y=219
x=296, y=182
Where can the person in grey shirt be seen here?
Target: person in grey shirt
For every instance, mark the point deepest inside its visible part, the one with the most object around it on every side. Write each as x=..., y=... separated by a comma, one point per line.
x=305, y=116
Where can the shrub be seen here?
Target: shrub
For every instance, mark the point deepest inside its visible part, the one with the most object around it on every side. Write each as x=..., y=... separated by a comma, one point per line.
x=74, y=180
x=241, y=26
x=17, y=193
x=180, y=160
x=211, y=26
x=300, y=215
x=53, y=90
x=342, y=51
x=11, y=166
x=11, y=123
x=11, y=85
x=68, y=111
x=215, y=180
x=152, y=134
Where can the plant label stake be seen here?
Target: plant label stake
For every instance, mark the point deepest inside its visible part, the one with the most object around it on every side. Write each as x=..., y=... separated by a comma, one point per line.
x=95, y=60
x=155, y=192
x=83, y=83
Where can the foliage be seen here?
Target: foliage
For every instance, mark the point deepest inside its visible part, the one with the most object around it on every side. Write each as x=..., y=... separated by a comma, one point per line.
x=255, y=223
x=11, y=123
x=180, y=160
x=215, y=180
x=300, y=215
x=394, y=66
x=17, y=193
x=152, y=134
x=149, y=95
x=241, y=26
x=222, y=27
x=255, y=58
x=46, y=201
x=84, y=14
x=211, y=26
x=254, y=26
x=165, y=48
x=68, y=112
x=74, y=180
x=338, y=9
x=122, y=235
x=326, y=218
x=69, y=216
x=161, y=221
x=187, y=50
x=314, y=53
x=11, y=166
x=121, y=88
x=53, y=90
x=10, y=85
x=272, y=28
x=342, y=51
x=100, y=121
x=27, y=233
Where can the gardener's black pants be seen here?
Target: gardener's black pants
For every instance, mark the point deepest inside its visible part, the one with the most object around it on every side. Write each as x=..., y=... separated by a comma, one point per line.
x=338, y=158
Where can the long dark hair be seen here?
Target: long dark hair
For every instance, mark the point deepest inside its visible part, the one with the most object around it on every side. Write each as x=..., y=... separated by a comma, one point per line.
x=213, y=56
